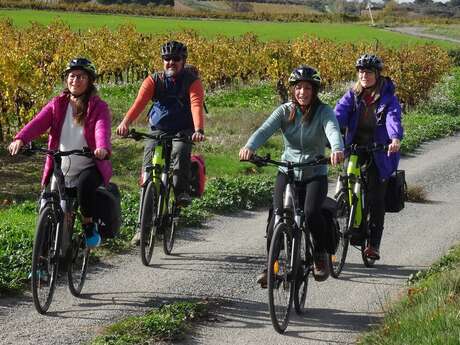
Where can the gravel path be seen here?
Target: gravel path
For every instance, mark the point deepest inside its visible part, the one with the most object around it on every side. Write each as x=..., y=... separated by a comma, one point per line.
x=419, y=31
x=222, y=259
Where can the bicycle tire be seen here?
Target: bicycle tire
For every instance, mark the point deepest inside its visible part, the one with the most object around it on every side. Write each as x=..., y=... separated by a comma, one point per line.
x=303, y=272
x=169, y=230
x=337, y=261
x=45, y=259
x=279, y=277
x=148, y=227
x=78, y=265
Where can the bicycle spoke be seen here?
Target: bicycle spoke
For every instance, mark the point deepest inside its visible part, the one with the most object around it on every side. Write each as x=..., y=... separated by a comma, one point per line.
x=148, y=224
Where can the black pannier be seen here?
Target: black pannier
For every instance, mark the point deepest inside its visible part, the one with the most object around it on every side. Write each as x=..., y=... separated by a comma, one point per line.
x=396, y=193
x=108, y=210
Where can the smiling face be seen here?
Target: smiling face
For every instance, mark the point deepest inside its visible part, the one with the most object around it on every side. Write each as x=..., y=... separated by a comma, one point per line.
x=367, y=77
x=303, y=93
x=173, y=65
x=77, y=82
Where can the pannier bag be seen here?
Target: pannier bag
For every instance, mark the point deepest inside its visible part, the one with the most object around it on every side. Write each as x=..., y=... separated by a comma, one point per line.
x=329, y=211
x=396, y=193
x=108, y=210
x=198, y=176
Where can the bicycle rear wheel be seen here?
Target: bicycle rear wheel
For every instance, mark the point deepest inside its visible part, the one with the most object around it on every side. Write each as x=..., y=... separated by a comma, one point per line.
x=45, y=259
x=78, y=266
x=148, y=223
x=303, y=272
x=170, y=225
x=280, y=278
x=337, y=261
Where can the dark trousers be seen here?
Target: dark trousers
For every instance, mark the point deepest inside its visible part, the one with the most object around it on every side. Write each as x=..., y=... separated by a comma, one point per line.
x=88, y=181
x=180, y=157
x=376, y=189
x=312, y=194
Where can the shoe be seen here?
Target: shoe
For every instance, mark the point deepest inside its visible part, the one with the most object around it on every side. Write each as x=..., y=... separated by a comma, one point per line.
x=372, y=253
x=321, y=267
x=136, y=240
x=183, y=200
x=262, y=279
x=43, y=276
x=93, y=239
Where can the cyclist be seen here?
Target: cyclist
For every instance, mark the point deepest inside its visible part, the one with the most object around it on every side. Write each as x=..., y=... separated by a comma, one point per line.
x=177, y=95
x=307, y=125
x=370, y=112
x=77, y=118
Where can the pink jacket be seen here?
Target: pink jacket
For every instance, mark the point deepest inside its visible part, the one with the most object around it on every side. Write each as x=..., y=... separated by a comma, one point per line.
x=97, y=130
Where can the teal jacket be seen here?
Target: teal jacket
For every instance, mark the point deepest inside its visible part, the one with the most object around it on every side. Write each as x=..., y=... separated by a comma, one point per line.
x=302, y=141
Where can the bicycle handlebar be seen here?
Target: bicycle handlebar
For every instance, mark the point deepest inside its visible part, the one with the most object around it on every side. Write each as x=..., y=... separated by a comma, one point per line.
x=86, y=152
x=264, y=161
x=133, y=134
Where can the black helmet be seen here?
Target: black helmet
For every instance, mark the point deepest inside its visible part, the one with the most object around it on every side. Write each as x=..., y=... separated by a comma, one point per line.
x=305, y=73
x=368, y=61
x=174, y=48
x=83, y=64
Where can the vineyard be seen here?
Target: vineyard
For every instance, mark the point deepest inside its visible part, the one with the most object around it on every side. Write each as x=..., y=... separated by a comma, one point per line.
x=32, y=60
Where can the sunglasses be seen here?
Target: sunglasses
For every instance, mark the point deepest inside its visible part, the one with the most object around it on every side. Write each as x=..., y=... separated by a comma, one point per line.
x=174, y=58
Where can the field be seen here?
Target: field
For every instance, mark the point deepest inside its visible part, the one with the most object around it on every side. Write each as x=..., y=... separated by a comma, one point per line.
x=211, y=28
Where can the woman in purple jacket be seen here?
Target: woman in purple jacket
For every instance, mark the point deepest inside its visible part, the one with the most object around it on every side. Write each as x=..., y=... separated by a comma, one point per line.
x=370, y=113
x=75, y=119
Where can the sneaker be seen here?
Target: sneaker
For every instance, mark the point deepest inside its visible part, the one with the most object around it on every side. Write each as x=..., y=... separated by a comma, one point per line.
x=43, y=276
x=321, y=267
x=262, y=279
x=93, y=239
x=183, y=200
x=372, y=253
x=136, y=240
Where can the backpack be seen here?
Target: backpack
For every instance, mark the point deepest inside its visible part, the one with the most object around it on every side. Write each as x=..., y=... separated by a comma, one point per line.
x=198, y=176
x=108, y=210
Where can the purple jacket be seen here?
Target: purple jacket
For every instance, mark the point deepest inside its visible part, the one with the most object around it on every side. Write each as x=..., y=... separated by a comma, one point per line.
x=97, y=131
x=388, y=113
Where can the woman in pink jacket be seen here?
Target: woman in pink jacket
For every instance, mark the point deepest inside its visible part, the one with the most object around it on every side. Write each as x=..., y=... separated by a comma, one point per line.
x=77, y=118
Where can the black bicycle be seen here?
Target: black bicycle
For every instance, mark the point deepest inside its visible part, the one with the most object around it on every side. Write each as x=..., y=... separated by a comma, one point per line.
x=158, y=211
x=56, y=239
x=352, y=207
x=290, y=258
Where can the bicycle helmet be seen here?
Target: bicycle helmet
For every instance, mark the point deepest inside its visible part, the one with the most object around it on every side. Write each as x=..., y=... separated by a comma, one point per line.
x=305, y=73
x=83, y=64
x=174, y=48
x=369, y=61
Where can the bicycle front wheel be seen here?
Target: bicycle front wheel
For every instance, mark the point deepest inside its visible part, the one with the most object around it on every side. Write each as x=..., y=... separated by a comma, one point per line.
x=337, y=261
x=303, y=271
x=148, y=223
x=78, y=266
x=280, y=278
x=170, y=225
x=45, y=259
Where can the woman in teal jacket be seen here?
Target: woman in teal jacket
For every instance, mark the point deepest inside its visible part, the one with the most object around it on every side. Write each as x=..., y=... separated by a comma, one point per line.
x=307, y=125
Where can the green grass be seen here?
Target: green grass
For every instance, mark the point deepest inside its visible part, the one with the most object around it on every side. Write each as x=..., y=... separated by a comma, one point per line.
x=169, y=322
x=452, y=31
x=211, y=28
x=429, y=314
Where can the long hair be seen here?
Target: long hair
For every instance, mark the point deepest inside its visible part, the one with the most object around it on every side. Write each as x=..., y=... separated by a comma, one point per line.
x=82, y=100
x=310, y=111
x=358, y=88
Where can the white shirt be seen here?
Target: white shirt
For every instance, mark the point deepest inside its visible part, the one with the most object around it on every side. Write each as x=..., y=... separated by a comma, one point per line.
x=72, y=138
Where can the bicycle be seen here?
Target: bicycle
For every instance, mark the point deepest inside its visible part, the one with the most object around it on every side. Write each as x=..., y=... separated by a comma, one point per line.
x=55, y=237
x=352, y=207
x=290, y=257
x=159, y=213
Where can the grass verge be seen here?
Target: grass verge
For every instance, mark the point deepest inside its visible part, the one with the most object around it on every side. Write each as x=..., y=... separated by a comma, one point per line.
x=429, y=313
x=169, y=322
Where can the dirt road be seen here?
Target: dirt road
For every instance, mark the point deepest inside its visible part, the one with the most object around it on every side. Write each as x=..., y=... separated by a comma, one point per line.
x=222, y=259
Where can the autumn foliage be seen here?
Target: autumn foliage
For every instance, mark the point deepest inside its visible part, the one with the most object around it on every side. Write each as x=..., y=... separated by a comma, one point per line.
x=32, y=60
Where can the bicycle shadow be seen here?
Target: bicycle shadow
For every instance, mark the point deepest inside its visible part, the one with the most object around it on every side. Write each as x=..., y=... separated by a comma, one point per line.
x=354, y=272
